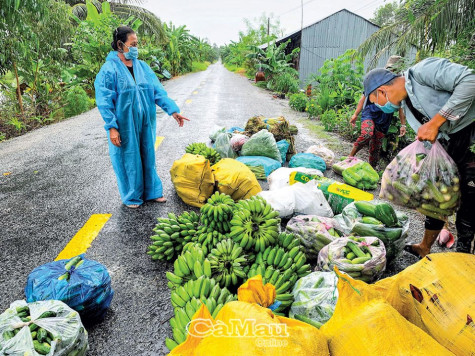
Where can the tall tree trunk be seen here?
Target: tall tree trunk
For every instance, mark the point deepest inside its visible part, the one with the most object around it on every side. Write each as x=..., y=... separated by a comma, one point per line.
x=18, y=90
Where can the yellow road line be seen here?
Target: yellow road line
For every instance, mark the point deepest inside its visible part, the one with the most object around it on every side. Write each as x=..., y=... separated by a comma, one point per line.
x=188, y=101
x=158, y=141
x=195, y=92
x=84, y=237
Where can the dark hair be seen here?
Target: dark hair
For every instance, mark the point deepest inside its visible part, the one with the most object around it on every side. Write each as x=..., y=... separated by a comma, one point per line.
x=120, y=34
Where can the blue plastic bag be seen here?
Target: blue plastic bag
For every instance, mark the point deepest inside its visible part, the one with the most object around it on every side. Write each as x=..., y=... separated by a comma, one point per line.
x=308, y=160
x=269, y=164
x=84, y=285
x=236, y=128
x=283, y=146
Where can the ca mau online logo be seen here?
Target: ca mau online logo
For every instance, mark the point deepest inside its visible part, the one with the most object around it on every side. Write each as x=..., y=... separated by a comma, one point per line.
x=267, y=335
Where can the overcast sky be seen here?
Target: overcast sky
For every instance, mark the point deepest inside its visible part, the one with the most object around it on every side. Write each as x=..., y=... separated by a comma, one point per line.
x=220, y=21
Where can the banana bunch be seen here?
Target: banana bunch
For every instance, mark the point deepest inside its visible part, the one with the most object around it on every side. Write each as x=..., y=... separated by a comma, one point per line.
x=217, y=212
x=228, y=263
x=208, y=238
x=281, y=267
x=190, y=265
x=171, y=234
x=255, y=225
x=187, y=299
x=203, y=150
x=289, y=241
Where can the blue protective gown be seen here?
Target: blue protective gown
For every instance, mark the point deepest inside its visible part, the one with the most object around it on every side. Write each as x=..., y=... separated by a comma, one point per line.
x=129, y=106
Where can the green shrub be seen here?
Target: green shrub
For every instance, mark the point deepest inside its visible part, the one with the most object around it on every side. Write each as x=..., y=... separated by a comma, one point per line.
x=286, y=82
x=3, y=136
x=313, y=109
x=76, y=101
x=262, y=84
x=298, y=101
x=328, y=119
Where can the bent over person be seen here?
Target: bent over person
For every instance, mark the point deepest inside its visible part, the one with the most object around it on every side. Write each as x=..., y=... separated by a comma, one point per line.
x=438, y=98
x=127, y=91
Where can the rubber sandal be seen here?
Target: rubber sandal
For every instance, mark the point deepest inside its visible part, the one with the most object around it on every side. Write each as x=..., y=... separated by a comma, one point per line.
x=132, y=206
x=408, y=249
x=158, y=200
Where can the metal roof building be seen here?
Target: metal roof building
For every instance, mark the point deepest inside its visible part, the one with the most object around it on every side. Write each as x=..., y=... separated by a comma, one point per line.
x=329, y=38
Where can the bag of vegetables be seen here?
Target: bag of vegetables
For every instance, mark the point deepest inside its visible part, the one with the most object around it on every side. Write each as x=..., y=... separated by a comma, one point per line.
x=344, y=163
x=82, y=284
x=364, y=218
x=363, y=258
x=424, y=179
x=315, y=297
x=361, y=176
x=314, y=232
x=46, y=328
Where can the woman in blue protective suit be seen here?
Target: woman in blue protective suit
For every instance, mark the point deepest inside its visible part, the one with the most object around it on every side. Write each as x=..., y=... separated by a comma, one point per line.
x=127, y=91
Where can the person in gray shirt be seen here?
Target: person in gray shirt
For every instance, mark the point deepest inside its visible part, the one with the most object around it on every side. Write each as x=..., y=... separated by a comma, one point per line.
x=438, y=98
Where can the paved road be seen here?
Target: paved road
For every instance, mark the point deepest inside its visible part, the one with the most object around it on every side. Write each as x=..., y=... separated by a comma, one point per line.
x=61, y=174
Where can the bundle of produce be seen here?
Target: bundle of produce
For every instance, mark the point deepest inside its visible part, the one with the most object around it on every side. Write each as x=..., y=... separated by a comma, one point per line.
x=46, y=328
x=228, y=263
x=235, y=179
x=237, y=141
x=314, y=232
x=338, y=195
x=308, y=160
x=293, y=129
x=190, y=265
x=283, y=131
x=361, y=176
x=254, y=225
x=207, y=238
x=200, y=148
x=258, y=163
x=171, y=234
x=263, y=144
x=323, y=152
x=259, y=172
x=82, y=284
x=223, y=146
x=315, y=297
x=283, y=146
x=426, y=180
x=254, y=125
x=363, y=218
x=280, y=178
x=215, y=132
x=281, y=266
x=344, y=163
x=193, y=179
x=218, y=212
x=187, y=300
x=363, y=258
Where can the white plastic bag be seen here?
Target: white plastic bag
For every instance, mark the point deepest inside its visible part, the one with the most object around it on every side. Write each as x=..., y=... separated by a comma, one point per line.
x=322, y=152
x=299, y=198
x=309, y=200
x=280, y=177
x=223, y=145
x=281, y=200
x=68, y=333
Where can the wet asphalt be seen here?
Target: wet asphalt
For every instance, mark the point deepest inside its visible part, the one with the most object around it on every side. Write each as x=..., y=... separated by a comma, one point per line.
x=59, y=175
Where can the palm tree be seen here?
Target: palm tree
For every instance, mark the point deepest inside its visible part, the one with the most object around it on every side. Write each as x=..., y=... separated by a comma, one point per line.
x=181, y=47
x=151, y=24
x=431, y=25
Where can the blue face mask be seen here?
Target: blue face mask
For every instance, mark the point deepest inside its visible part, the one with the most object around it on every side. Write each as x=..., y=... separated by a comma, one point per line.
x=387, y=108
x=133, y=53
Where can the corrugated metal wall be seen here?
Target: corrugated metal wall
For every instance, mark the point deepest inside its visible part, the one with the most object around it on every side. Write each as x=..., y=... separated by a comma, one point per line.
x=331, y=37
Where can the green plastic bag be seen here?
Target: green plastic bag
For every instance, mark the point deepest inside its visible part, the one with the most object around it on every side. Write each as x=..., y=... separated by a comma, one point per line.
x=262, y=144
